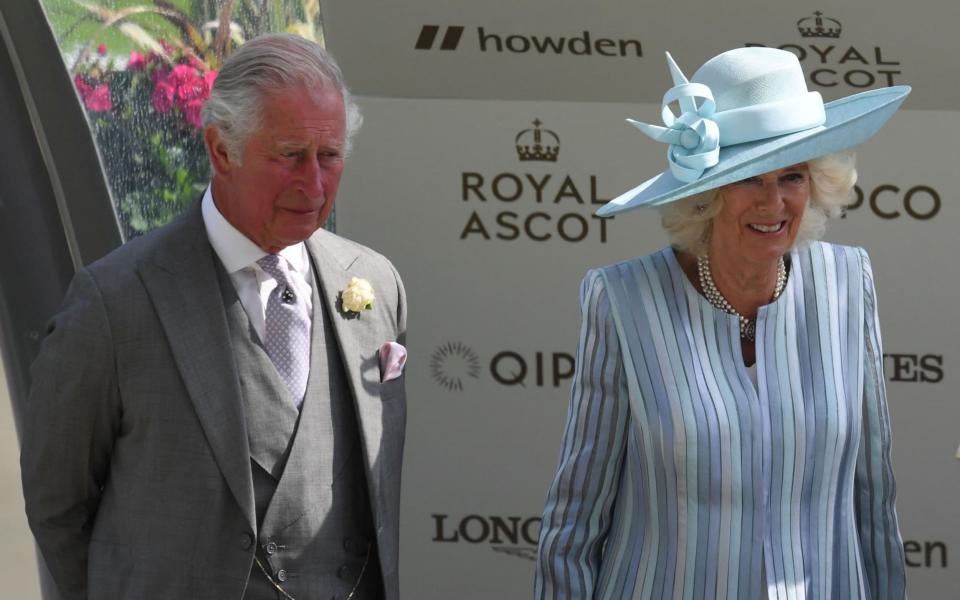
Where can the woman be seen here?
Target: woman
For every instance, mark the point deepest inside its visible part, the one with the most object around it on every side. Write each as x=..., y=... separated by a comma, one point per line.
x=728, y=433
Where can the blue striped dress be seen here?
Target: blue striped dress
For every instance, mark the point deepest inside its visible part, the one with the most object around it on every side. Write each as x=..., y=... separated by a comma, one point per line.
x=679, y=478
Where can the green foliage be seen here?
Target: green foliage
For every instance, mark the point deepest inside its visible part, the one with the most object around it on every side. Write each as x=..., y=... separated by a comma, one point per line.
x=125, y=25
x=77, y=24
x=153, y=152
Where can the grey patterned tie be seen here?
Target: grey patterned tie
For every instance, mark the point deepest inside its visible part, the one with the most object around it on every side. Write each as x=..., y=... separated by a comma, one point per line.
x=287, y=329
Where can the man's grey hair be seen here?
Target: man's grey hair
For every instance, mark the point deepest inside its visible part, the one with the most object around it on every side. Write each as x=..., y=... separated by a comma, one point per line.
x=268, y=64
x=688, y=221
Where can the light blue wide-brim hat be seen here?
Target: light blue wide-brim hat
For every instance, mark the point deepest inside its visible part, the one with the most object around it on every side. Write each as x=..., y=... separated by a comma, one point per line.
x=744, y=113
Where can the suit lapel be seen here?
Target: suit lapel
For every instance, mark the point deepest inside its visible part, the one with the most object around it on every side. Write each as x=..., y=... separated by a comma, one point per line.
x=183, y=286
x=358, y=343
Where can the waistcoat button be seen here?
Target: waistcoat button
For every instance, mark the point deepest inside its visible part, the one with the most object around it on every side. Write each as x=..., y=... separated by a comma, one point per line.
x=270, y=548
x=282, y=575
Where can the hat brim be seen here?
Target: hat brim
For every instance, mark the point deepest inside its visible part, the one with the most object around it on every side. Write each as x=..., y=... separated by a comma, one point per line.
x=850, y=121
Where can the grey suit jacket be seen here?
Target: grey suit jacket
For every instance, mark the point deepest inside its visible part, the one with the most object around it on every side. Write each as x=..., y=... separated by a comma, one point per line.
x=135, y=463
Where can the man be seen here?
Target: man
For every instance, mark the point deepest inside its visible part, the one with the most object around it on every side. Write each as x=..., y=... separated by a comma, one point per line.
x=218, y=411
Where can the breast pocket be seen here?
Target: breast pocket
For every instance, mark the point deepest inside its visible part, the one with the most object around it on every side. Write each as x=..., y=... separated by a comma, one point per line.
x=392, y=391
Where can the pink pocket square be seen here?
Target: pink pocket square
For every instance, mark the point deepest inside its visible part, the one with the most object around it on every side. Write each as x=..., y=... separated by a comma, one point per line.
x=392, y=358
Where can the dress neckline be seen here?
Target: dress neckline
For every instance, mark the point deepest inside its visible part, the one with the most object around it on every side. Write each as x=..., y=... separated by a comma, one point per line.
x=733, y=321
x=670, y=255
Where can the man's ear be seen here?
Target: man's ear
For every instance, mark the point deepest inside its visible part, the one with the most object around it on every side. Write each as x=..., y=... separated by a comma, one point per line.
x=223, y=164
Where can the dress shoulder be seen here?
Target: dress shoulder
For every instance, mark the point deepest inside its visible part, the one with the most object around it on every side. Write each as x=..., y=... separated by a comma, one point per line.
x=615, y=271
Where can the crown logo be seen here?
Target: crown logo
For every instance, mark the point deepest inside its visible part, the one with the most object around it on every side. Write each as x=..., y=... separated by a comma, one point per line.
x=530, y=144
x=815, y=26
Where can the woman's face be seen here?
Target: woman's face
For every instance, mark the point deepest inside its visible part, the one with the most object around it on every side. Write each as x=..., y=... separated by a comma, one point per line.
x=761, y=215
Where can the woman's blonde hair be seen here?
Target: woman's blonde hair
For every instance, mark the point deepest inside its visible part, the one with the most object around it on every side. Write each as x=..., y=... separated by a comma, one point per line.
x=832, y=177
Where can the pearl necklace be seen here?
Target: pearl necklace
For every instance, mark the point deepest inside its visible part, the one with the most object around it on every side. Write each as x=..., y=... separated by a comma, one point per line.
x=748, y=326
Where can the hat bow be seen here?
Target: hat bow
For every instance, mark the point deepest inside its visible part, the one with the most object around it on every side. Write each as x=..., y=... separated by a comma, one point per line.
x=694, y=137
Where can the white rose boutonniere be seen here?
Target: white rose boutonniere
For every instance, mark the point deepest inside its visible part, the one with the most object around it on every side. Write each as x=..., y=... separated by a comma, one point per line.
x=357, y=296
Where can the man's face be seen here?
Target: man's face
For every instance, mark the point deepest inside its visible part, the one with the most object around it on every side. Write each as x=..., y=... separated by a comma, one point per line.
x=285, y=184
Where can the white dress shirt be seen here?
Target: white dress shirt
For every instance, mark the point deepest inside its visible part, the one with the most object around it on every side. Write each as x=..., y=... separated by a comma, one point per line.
x=239, y=256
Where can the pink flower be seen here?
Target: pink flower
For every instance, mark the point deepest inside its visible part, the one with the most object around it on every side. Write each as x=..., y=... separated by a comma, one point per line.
x=95, y=97
x=160, y=75
x=163, y=96
x=182, y=75
x=196, y=63
x=209, y=77
x=195, y=89
x=191, y=112
x=137, y=61
x=99, y=99
x=102, y=49
x=82, y=86
x=192, y=89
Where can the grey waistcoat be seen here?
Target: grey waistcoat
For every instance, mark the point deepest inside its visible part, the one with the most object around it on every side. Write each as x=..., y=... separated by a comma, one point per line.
x=315, y=529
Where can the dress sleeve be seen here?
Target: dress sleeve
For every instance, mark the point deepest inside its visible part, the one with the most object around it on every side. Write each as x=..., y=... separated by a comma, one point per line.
x=579, y=504
x=875, y=489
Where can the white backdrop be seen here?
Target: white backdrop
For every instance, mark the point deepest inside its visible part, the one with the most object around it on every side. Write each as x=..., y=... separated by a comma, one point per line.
x=492, y=249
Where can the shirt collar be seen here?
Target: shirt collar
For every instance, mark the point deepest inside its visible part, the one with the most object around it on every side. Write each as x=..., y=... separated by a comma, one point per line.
x=235, y=250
